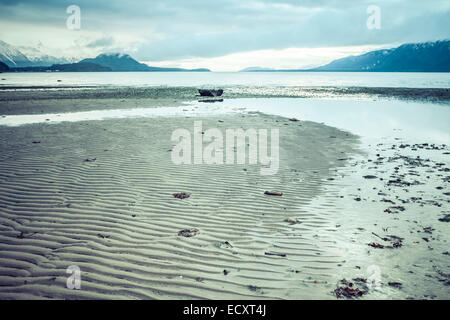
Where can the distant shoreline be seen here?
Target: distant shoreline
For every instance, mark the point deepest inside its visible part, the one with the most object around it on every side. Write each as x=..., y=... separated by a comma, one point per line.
x=210, y=71
x=25, y=95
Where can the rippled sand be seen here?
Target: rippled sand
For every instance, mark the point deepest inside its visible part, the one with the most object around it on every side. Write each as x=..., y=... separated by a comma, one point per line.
x=98, y=194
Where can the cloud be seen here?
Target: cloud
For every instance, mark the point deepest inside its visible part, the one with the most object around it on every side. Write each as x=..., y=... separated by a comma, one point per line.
x=290, y=58
x=179, y=30
x=101, y=42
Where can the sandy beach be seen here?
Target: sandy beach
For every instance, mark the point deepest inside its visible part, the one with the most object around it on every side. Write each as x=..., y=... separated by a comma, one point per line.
x=227, y=159
x=99, y=195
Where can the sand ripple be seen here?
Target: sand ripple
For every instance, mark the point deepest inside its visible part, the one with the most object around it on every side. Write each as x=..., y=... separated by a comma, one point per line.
x=116, y=218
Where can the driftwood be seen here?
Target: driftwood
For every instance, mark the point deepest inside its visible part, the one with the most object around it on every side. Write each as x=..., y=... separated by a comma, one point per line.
x=273, y=193
x=275, y=254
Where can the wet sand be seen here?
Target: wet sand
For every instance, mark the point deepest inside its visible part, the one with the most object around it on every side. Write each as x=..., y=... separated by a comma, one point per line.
x=99, y=194
x=46, y=99
x=391, y=208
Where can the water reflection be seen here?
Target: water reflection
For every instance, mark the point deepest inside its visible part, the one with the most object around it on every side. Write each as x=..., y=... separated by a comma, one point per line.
x=367, y=118
x=187, y=110
x=371, y=119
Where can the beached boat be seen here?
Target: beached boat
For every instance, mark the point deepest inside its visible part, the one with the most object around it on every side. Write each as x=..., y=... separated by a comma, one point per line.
x=210, y=93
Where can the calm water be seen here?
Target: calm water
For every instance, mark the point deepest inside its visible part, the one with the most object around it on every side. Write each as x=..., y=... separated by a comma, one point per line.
x=202, y=79
x=368, y=118
x=371, y=119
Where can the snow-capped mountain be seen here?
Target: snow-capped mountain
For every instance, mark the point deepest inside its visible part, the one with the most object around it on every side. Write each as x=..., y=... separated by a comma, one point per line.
x=26, y=56
x=12, y=57
x=39, y=58
x=32, y=59
x=412, y=57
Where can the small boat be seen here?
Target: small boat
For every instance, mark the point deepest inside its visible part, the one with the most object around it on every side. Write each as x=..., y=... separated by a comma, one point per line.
x=210, y=93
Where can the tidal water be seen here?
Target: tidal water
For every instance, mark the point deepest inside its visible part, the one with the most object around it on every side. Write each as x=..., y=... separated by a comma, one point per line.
x=215, y=79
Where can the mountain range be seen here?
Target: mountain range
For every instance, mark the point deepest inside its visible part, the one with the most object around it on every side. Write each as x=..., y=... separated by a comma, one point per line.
x=15, y=58
x=35, y=61
x=124, y=62
x=257, y=69
x=66, y=67
x=414, y=57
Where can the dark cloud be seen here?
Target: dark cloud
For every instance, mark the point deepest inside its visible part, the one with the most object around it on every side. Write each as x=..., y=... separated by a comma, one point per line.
x=174, y=29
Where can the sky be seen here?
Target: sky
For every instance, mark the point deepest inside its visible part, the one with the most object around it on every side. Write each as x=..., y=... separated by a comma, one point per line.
x=223, y=35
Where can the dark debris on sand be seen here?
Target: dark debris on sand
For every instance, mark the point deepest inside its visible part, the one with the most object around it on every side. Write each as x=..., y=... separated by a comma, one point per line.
x=399, y=178
x=395, y=242
x=181, y=195
x=188, y=232
x=397, y=285
x=351, y=290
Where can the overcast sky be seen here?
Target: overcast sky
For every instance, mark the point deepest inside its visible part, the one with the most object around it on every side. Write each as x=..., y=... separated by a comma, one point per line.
x=223, y=35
